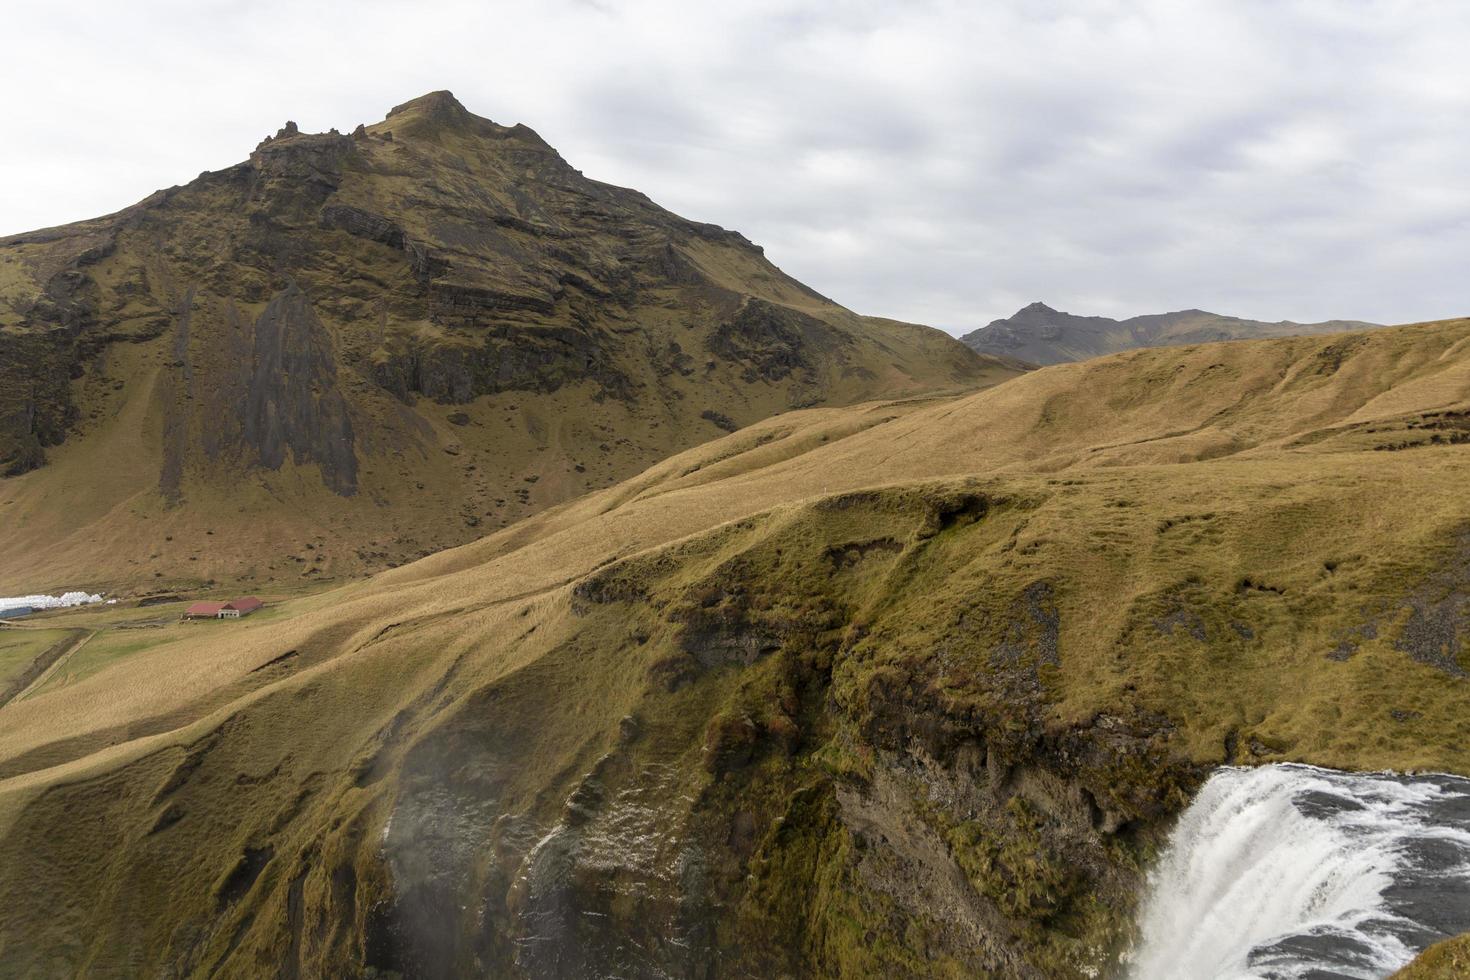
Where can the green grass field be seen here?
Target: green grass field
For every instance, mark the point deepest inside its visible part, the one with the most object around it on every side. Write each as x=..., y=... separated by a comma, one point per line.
x=18, y=647
x=103, y=650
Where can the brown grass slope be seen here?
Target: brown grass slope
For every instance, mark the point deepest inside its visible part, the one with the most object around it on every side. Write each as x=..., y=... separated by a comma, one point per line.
x=1038, y=334
x=354, y=350
x=1445, y=960
x=910, y=688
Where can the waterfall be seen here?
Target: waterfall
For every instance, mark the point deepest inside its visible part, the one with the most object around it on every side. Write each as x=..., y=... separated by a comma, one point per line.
x=1289, y=871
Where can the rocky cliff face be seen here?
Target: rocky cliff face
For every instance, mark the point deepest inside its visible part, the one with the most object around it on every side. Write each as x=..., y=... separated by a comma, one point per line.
x=1039, y=334
x=291, y=397
x=339, y=313
x=36, y=408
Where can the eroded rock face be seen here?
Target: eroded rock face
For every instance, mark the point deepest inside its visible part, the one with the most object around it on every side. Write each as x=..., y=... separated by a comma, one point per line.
x=975, y=832
x=36, y=407
x=504, y=359
x=292, y=402
x=771, y=342
x=362, y=224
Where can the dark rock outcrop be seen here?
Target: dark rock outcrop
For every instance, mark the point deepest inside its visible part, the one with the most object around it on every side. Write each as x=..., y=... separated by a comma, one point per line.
x=500, y=359
x=770, y=342
x=292, y=402
x=363, y=224
x=36, y=407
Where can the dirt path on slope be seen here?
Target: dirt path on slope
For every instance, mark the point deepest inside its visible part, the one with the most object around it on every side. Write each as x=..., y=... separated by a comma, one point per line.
x=41, y=669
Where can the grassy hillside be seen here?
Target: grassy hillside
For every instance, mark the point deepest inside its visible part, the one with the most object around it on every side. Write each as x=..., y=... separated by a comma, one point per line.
x=909, y=688
x=1039, y=334
x=350, y=351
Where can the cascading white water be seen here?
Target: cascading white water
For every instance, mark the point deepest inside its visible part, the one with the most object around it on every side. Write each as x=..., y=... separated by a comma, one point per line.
x=1293, y=871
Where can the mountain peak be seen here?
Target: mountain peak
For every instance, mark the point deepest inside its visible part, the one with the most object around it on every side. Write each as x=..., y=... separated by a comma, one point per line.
x=1040, y=334
x=441, y=104
x=430, y=260
x=435, y=112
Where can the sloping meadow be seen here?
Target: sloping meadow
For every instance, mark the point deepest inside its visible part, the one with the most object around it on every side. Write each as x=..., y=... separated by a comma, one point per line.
x=909, y=689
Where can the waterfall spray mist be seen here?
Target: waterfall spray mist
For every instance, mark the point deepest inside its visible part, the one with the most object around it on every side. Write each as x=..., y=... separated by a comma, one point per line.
x=1292, y=871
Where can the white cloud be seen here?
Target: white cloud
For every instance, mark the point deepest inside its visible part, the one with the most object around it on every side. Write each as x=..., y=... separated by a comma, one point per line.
x=937, y=161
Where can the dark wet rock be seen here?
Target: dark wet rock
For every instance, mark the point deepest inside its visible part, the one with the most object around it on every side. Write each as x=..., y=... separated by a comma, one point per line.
x=313, y=159
x=617, y=582
x=721, y=627
x=238, y=882
x=363, y=224
x=1033, y=632
x=719, y=420
x=458, y=304
x=729, y=742
x=501, y=358
x=292, y=402
x=1437, y=623
x=36, y=407
x=1322, y=804
x=772, y=342
x=582, y=805
x=1435, y=628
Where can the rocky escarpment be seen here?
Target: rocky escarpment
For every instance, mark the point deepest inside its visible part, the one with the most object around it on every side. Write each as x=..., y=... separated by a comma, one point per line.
x=56, y=328
x=316, y=304
x=845, y=812
x=36, y=407
x=292, y=402
x=500, y=360
x=771, y=342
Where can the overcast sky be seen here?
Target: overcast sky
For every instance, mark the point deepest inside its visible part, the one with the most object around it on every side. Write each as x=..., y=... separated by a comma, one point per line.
x=932, y=161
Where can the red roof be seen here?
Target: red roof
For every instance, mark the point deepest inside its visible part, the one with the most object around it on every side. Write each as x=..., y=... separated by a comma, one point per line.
x=245, y=605
x=204, y=609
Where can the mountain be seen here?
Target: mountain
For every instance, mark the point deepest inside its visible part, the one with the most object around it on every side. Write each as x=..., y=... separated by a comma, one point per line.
x=352, y=350
x=912, y=688
x=1041, y=335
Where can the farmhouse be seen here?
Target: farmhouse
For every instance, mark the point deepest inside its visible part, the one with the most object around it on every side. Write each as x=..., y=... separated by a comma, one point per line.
x=240, y=607
x=223, y=610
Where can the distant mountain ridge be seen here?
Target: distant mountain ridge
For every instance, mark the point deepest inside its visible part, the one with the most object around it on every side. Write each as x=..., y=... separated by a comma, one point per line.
x=1042, y=335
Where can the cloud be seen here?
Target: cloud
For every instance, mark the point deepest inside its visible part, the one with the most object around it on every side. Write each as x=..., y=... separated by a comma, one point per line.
x=937, y=161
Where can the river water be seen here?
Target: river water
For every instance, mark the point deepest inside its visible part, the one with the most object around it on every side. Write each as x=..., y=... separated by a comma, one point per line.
x=1289, y=871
